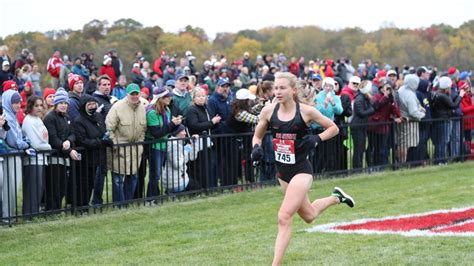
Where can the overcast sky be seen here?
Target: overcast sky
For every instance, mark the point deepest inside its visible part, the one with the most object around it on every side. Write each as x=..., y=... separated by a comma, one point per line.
x=231, y=15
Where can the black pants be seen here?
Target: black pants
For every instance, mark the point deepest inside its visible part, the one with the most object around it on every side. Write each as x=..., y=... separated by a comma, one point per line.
x=84, y=183
x=33, y=182
x=359, y=135
x=55, y=186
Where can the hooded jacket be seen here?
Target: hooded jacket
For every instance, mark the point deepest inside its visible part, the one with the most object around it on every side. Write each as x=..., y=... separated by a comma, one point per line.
x=89, y=131
x=14, y=137
x=410, y=107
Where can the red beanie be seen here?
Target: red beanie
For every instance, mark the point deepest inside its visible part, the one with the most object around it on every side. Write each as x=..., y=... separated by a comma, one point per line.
x=146, y=91
x=451, y=70
x=29, y=84
x=72, y=79
x=9, y=84
x=47, y=92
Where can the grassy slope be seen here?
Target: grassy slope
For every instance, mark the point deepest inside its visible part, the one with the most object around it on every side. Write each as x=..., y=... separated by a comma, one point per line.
x=240, y=228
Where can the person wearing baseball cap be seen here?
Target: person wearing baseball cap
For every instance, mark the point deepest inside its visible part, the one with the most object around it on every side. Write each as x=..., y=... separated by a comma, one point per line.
x=181, y=97
x=5, y=72
x=126, y=123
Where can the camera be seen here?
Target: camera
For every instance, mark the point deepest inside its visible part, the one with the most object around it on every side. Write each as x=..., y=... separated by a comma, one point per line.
x=5, y=127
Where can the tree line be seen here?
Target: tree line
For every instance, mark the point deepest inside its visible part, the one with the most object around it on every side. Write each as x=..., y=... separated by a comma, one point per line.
x=439, y=45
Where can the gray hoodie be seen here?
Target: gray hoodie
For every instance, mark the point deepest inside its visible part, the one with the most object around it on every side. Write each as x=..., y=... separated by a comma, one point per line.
x=410, y=107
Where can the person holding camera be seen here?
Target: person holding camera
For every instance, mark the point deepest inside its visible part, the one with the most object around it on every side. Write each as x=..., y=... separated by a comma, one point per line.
x=378, y=130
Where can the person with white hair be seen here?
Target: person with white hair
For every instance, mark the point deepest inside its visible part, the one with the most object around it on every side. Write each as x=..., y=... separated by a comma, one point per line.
x=442, y=107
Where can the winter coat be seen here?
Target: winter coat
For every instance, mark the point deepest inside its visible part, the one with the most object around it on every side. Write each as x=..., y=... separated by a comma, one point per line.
x=14, y=136
x=467, y=108
x=385, y=108
x=74, y=103
x=127, y=123
x=409, y=106
x=89, y=131
x=119, y=92
x=181, y=100
x=137, y=78
x=59, y=130
x=362, y=109
x=175, y=170
x=198, y=119
x=218, y=105
x=442, y=106
x=158, y=128
x=109, y=71
x=103, y=100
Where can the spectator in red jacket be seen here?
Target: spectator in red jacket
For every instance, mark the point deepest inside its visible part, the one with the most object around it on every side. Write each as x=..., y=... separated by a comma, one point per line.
x=294, y=66
x=108, y=69
x=467, y=108
x=54, y=68
x=379, y=126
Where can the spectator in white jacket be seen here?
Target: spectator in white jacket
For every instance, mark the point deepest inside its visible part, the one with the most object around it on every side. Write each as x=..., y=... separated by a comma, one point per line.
x=35, y=162
x=175, y=176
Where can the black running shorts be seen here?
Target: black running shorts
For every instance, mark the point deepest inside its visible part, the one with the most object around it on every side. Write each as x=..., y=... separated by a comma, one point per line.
x=287, y=171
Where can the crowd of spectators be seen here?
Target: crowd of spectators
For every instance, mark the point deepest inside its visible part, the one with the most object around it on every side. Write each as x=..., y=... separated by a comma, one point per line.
x=91, y=120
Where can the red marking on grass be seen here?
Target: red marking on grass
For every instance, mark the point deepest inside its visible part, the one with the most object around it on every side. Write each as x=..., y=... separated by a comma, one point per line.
x=464, y=227
x=454, y=222
x=424, y=222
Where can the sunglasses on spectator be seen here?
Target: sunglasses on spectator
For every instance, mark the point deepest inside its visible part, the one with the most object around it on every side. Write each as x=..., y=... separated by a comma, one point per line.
x=357, y=84
x=336, y=84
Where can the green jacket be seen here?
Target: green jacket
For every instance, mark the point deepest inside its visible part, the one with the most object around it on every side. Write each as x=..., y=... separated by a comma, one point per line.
x=157, y=129
x=181, y=101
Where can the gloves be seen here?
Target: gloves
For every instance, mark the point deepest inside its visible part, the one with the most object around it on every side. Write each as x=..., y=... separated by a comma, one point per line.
x=257, y=153
x=107, y=142
x=30, y=152
x=311, y=141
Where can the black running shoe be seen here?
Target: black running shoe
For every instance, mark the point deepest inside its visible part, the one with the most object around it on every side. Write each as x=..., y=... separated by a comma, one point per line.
x=343, y=197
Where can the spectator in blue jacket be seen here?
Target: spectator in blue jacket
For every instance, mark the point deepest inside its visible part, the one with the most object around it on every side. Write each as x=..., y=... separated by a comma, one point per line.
x=119, y=91
x=219, y=104
x=12, y=168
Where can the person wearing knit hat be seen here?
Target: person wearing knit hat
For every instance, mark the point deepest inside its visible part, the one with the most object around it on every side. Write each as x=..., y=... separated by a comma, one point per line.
x=145, y=93
x=48, y=96
x=9, y=84
x=72, y=79
x=61, y=96
x=453, y=73
x=76, y=86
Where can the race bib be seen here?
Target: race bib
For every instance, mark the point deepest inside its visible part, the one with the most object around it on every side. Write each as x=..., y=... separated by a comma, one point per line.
x=284, y=150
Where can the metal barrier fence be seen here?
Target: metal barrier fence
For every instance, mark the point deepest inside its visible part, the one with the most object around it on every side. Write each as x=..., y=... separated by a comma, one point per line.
x=151, y=172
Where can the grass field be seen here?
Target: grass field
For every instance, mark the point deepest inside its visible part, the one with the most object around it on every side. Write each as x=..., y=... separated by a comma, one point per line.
x=240, y=228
